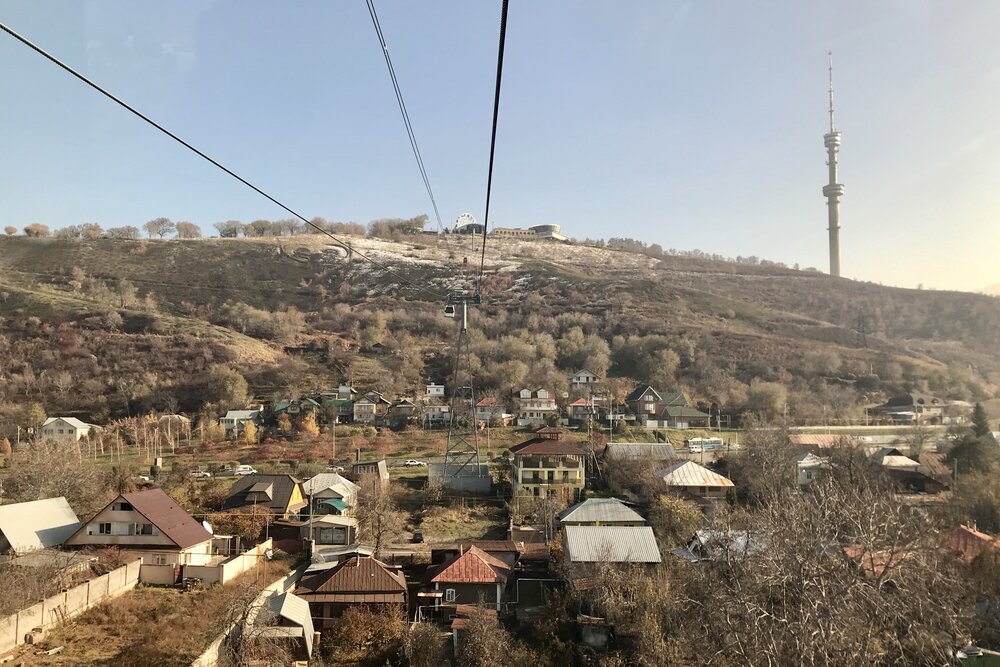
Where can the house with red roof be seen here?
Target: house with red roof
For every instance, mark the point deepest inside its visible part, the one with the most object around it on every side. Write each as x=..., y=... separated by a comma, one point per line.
x=547, y=466
x=490, y=410
x=471, y=576
x=967, y=542
x=358, y=580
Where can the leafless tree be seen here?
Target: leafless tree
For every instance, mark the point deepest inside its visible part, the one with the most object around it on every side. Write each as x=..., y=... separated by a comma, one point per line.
x=378, y=519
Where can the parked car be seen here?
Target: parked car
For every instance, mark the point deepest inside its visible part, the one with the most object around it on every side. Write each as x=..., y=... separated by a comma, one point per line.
x=200, y=474
x=503, y=458
x=411, y=463
x=418, y=537
x=241, y=470
x=332, y=468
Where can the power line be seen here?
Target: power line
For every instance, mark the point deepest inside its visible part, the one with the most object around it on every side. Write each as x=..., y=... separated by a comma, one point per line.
x=402, y=109
x=493, y=137
x=345, y=245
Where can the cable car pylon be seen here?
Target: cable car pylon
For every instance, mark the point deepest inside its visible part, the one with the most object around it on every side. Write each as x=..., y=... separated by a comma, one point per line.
x=461, y=458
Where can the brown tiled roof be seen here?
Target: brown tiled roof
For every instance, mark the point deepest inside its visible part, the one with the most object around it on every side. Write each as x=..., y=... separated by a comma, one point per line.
x=355, y=575
x=823, y=440
x=874, y=563
x=161, y=510
x=475, y=566
x=546, y=446
x=487, y=402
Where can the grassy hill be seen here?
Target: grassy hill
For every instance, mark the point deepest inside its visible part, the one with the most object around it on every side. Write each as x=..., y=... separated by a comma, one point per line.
x=140, y=323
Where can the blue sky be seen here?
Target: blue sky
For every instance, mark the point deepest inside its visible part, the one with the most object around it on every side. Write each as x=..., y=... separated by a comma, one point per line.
x=689, y=124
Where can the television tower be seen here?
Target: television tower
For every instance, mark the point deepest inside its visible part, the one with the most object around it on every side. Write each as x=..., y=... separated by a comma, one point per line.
x=833, y=190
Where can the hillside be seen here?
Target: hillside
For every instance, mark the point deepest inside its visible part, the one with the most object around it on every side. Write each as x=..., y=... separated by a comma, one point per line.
x=145, y=324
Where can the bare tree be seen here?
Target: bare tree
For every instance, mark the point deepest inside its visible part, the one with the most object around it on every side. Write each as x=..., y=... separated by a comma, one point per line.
x=160, y=227
x=188, y=230
x=378, y=518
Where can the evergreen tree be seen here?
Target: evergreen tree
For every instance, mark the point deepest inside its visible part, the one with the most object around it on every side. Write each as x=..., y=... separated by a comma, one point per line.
x=980, y=421
x=972, y=454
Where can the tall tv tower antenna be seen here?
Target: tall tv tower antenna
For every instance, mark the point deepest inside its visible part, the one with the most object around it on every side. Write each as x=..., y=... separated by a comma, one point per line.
x=833, y=190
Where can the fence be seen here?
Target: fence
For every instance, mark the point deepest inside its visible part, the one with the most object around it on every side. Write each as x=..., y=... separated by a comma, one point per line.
x=231, y=568
x=54, y=610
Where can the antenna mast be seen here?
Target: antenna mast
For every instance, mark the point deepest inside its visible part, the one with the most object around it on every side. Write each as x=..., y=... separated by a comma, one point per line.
x=832, y=125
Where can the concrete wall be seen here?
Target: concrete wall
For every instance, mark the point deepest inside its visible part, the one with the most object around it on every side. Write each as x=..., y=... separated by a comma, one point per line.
x=52, y=611
x=157, y=575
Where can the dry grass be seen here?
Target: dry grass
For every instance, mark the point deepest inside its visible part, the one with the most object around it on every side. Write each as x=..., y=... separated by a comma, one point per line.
x=447, y=524
x=149, y=626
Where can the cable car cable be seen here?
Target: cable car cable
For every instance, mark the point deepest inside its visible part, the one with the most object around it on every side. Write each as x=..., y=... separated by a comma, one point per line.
x=343, y=244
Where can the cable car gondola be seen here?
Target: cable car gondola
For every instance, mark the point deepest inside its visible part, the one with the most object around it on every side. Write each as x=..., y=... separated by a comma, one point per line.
x=449, y=310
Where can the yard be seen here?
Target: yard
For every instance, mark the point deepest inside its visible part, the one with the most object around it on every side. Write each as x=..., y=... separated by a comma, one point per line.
x=150, y=625
x=457, y=522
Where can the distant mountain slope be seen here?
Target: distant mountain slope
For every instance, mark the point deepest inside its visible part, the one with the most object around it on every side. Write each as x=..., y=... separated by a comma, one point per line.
x=294, y=313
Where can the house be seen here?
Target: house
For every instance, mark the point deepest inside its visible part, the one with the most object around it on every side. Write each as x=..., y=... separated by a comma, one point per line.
x=912, y=408
x=691, y=479
x=380, y=401
x=534, y=408
x=722, y=545
x=362, y=468
x=282, y=494
x=434, y=392
x=668, y=415
x=289, y=623
x=933, y=465
x=643, y=401
x=235, y=421
x=35, y=525
x=357, y=580
x=66, y=429
x=809, y=468
x=469, y=577
x=402, y=412
x=547, y=467
x=436, y=414
x=343, y=407
x=507, y=551
x=330, y=530
x=610, y=544
x=601, y=512
x=819, y=441
x=967, y=542
x=890, y=457
x=364, y=411
x=150, y=525
x=346, y=393
x=583, y=381
x=489, y=410
x=329, y=493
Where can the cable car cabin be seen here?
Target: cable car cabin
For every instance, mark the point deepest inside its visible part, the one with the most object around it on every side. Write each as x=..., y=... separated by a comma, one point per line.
x=449, y=311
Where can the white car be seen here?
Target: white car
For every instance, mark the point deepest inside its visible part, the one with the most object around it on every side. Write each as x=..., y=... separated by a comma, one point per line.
x=335, y=468
x=412, y=463
x=244, y=470
x=200, y=474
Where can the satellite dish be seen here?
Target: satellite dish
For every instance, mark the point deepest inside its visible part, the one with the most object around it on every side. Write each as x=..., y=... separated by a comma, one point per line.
x=207, y=526
x=565, y=394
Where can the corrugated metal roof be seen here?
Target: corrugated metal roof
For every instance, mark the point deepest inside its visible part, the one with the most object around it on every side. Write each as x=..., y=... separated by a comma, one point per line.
x=296, y=610
x=690, y=473
x=612, y=544
x=72, y=421
x=657, y=451
x=601, y=510
x=329, y=480
x=37, y=524
x=354, y=575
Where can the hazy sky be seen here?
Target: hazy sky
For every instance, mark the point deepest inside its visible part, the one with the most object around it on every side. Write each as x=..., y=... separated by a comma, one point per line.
x=689, y=124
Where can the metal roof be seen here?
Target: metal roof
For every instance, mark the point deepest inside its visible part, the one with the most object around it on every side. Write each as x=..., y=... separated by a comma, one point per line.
x=602, y=511
x=690, y=473
x=336, y=503
x=474, y=566
x=161, y=510
x=72, y=421
x=355, y=576
x=37, y=524
x=329, y=480
x=295, y=610
x=281, y=494
x=658, y=451
x=611, y=544
x=547, y=446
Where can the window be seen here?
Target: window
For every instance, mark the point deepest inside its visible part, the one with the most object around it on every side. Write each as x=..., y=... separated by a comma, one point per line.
x=143, y=528
x=104, y=528
x=159, y=559
x=121, y=507
x=449, y=595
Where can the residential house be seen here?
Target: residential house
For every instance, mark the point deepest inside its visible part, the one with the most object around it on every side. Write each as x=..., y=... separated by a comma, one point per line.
x=149, y=525
x=809, y=468
x=469, y=577
x=329, y=493
x=968, y=543
x=434, y=392
x=354, y=581
x=378, y=468
x=346, y=393
x=601, y=512
x=342, y=407
x=583, y=381
x=610, y=544
x=507, y=551
x=282, y=494
x=66, y=429
x=890, y=457
x=691, y=479
x=403, y=411
x=381, y=402
x=330, y=530
x=535, y=408
x=911, y=408
x=643, y=402
x=816, y=442
x=651, y=451
x=677, y=416
x=235, y=421
x=722, y=545
x=35, y=525
x=289, y=624
x=489, y=410
x=364, y=411
x=545, y=466
x=436, y=414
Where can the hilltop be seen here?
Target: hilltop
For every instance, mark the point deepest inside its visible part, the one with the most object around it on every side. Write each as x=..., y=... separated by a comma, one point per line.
x=148, y=324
